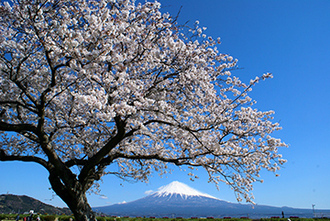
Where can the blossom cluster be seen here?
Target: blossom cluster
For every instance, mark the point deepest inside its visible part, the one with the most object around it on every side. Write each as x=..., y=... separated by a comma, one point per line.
x=79, y=72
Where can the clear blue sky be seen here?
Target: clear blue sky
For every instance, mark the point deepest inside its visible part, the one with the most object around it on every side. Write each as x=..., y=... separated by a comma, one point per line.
x=290, y=39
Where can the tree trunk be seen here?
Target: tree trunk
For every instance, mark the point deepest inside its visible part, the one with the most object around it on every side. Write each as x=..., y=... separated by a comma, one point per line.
x=74, y=197
x=80, y=208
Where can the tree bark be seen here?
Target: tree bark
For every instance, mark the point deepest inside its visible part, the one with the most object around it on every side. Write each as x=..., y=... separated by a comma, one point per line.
x=74, y=197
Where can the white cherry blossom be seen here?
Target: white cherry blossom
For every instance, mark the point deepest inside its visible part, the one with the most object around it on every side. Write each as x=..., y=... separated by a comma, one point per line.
x=87, y=84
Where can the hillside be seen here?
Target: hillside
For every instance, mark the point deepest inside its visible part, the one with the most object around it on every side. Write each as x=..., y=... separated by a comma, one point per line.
x=19, y=204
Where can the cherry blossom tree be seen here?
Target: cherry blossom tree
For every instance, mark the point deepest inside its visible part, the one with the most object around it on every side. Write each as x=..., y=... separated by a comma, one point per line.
x=86, y=84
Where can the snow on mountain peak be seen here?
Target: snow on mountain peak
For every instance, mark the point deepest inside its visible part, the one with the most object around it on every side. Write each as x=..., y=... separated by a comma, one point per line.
x=181, y=189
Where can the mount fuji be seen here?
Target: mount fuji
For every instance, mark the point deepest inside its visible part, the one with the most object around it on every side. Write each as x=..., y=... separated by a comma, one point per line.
x=176, y=189
x=179, y=200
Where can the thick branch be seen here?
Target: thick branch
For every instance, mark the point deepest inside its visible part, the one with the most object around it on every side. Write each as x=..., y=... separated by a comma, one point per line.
x=19, y=128
x=5, y=157
x=75, y=162
x=96, y=159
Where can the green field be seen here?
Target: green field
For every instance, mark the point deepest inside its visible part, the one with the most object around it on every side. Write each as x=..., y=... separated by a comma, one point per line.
x=7, y=217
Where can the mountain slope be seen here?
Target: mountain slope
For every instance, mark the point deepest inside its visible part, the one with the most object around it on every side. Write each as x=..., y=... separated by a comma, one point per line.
x=19, y=204
x=177, y=188
x=179, y=200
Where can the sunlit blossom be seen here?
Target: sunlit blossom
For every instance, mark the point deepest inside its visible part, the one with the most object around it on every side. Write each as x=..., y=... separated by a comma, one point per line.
x=126, y=82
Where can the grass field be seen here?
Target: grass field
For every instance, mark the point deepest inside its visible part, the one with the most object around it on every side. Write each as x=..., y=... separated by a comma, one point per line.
x=10, y=217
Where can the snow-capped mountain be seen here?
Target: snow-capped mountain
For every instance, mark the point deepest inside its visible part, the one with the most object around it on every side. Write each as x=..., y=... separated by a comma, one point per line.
x=181, y=189
x=179, y=200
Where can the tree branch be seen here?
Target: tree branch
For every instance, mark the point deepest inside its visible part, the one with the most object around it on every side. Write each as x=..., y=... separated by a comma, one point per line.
x=19, y=128
x=75, y=162
x=5, y=157
x=96, y=159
